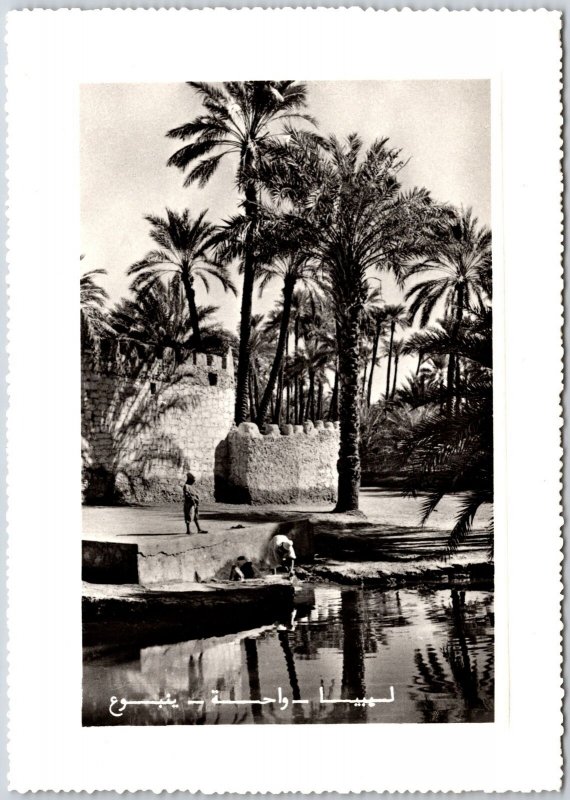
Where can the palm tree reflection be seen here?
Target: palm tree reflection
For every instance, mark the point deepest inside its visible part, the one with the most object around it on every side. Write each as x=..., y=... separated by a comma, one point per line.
x=353, y=654
x=297, y=710
x=252, y=661
x=465, y=694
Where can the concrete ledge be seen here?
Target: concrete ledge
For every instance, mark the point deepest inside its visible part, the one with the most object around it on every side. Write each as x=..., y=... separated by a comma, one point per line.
x=131, y=613
x=150, y=560
x=109, y=562
x=461, y=572
x=129, y=601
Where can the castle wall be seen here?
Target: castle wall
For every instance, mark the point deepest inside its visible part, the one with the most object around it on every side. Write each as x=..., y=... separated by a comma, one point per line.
x=144, y=427
x=287, y=465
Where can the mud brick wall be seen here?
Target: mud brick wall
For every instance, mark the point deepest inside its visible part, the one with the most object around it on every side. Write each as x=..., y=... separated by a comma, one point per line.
x=144, y=426
x=284, y=465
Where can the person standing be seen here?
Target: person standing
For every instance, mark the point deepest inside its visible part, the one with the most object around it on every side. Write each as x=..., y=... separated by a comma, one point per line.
x=191, y=504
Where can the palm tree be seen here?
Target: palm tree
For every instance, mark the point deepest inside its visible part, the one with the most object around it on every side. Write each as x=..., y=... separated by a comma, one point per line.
x=261, y=349
x=357, y=220
x=455, y=454
x=292, y=270
x=368, y=226
x=158, y=317
x=92, y=298
x=457, y=278
x=397, y=317
x=184, y=251
x=397, y=349
x=242, y=118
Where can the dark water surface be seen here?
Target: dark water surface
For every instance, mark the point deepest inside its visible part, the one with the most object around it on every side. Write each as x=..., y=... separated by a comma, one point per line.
x=435, y=648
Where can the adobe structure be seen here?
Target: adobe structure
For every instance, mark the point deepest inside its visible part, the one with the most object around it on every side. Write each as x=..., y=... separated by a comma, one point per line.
x=145, y=424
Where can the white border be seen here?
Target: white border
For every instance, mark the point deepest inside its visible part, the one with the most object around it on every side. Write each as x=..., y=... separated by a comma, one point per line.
x=50, y=54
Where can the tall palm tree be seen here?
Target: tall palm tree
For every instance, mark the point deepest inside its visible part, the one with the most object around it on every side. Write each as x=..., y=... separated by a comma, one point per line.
x=397, y=348
x=396, y=316
x=360, y=221
x=242, y=118
x=368, y=227
x=92, y=298
x=184, y=251
x=261, y=350
x=456, y=277
x=286, y=261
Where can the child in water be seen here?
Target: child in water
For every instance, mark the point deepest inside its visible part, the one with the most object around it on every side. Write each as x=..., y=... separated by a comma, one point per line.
x=191, y=504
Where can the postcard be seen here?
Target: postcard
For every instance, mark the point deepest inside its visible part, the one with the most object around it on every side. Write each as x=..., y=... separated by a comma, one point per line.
x=285, y=369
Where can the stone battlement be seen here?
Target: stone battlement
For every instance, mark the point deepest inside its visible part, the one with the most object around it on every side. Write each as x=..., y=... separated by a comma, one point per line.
x=146, y=423
x=290, y=464
x=251, y=430
x=125, y=358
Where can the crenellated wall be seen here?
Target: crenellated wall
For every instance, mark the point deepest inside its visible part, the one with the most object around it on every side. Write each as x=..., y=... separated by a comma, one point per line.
x=290, y=464
x=145, y=425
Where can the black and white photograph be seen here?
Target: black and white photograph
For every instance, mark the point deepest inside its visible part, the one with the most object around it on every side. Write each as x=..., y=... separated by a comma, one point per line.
x=284, y=454
x=287, y=403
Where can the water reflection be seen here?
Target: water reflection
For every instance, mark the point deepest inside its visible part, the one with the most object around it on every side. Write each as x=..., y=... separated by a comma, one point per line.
x=435, y=648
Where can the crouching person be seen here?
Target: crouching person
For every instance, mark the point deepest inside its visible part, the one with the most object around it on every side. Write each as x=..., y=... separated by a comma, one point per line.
x=281, y=554
x=243, y=570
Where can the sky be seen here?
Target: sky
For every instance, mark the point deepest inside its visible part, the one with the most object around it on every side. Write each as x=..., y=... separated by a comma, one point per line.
x=442, y=127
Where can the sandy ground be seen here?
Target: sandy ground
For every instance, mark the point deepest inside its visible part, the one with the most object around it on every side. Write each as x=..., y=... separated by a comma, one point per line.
x=380, y=506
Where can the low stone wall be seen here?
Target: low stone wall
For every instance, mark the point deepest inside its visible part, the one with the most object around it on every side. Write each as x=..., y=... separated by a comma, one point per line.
x=290, y=464
x=150, y=560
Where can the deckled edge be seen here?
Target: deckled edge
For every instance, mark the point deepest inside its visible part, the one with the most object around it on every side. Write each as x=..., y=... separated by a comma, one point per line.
x=7, y=353
x=562, y=394
x=565, y=339
x=309, y=9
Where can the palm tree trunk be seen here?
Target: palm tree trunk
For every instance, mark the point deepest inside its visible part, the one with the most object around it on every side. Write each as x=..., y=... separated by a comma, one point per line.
x=320, y=399
x=276, y=367
x=392, y=329
x=250, y=207
x=457, y=380
x=348, y=464
x=255, y=388
x=279, y=400
x=363, y=390
x=396, y=359
x=420, y=359
x=251, y=398
x=373, y=361
x=301, y=401
x=452, y=360
x=311, y=396
x=193, y=311
x=333, y=408
x=450, y=376
x=296, y=387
